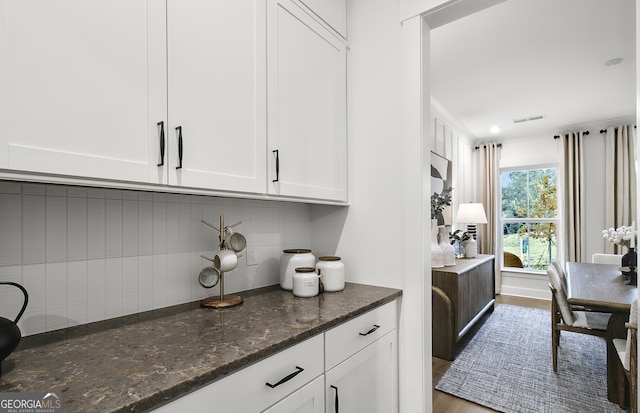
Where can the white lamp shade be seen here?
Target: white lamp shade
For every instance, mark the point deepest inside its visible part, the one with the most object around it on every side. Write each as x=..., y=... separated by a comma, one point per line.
x=471, y=213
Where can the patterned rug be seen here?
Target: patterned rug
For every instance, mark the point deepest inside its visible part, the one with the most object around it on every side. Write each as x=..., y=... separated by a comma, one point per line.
x=506, y=366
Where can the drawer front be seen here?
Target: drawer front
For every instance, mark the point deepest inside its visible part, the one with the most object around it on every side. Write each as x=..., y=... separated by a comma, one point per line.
x=347, y=339
x=247, y=391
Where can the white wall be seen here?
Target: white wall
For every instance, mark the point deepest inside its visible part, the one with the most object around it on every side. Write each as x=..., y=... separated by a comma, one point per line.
x=88, y=254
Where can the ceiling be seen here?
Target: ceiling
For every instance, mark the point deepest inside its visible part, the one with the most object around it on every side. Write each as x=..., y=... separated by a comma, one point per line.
x=526, y=58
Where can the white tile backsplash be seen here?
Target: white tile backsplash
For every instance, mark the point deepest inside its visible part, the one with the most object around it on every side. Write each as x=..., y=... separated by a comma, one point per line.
x=89, y=254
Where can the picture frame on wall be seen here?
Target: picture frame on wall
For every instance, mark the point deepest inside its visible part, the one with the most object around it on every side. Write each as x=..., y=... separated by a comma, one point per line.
x=441, y=179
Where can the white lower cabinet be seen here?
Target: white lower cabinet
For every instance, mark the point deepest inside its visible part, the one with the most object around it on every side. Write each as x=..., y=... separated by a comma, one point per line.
x=248, y=391
x=361, y=363
x=309, y=399
x=351, y=368
x=366, y=381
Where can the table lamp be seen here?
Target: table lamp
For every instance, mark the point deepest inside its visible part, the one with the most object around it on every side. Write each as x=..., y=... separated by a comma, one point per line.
x=471, y=214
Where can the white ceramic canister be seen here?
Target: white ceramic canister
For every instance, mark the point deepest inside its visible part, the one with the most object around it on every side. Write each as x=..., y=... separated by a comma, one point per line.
x=292, y=259
x=331, y=272
x=306, y=282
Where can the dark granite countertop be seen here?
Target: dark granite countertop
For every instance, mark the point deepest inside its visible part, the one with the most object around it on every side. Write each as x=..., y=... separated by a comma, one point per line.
x=138, y=362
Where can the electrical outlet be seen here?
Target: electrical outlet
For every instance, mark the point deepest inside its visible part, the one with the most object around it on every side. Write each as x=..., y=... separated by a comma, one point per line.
x=252, y=255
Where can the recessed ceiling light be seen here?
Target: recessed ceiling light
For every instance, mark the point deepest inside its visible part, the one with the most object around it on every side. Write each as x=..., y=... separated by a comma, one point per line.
x=495, y=129
x=613, y=62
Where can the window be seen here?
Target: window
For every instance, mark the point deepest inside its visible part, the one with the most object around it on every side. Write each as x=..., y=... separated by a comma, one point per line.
x=530, y=216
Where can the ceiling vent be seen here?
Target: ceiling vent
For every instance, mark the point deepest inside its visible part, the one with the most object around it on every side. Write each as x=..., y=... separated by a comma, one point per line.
x=529, y=119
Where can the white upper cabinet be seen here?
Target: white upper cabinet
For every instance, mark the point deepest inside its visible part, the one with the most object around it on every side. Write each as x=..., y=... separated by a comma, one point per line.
x=220, y=96
x=76, y=97
x=217, y=94
x=332, y=12
x=306, y=84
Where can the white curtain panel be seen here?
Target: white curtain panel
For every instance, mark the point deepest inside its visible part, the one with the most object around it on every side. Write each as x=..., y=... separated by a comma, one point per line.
x=621, y=199
x=574, y=193
x=491, y=234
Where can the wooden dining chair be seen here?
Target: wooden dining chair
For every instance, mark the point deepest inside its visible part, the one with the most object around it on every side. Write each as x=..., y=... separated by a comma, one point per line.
x=626, y=366
x=564, y=318
x=563, y=277
x=614, y=259
x=511, y=260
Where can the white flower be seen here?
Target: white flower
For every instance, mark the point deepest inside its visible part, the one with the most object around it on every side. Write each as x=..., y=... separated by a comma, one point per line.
x=619, y=236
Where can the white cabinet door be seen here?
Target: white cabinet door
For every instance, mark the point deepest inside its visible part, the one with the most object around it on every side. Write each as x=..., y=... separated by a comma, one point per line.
x=367, y=381
x=217, y=94
x=308, y=399
x=76, y=94
x=306, y=105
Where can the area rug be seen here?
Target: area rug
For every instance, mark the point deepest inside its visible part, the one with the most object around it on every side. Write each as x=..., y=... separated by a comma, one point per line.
x=506, y=366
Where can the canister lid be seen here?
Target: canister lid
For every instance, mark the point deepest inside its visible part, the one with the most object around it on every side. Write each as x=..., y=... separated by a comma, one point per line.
x=297, y=251
x=305, y=269
x=329, y=258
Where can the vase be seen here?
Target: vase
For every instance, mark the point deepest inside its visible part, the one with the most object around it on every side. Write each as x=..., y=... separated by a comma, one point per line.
x=449, y=255
x=470, y=248
x=437, y=256
x=629, y=260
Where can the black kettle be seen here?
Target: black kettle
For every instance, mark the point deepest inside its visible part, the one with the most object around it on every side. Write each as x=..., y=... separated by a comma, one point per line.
x=9, y=332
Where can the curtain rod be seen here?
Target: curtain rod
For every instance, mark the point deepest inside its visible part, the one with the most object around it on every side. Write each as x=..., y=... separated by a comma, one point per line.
x=604, y=130
x=499, y=145
x=558, y=136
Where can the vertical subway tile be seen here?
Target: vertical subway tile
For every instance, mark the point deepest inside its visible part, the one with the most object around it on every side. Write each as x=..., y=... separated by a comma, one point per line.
x=96, y=285
x=130, y=228
x=198, y=229
x=173, y=227
x=56, y=229
x=77, y=284
x=185, y=228
x=113, y=228
x=145, y=283
x=173, y=275
x=96, y=231
x=10, y=187
x=130, y=277
x=159, y=227
x=11, y=231
x=145, y=228
x=187, y=274
x=77, y=228
x=56, y=285
x=159, y=281
x=113, y=277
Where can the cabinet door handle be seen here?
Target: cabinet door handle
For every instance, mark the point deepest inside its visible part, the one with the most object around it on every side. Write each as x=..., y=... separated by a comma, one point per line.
x=161, y=124
x=179, y=130
x=336, y=401
x=286, y=379
x=277, y=152
x=375, y=327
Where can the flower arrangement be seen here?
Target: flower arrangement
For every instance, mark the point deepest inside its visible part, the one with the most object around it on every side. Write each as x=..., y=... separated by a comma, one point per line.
x=439, y=202
x=621, y=235
x=460, y=235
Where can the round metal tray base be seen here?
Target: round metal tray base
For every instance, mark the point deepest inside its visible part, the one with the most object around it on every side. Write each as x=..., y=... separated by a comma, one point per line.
x=226, y=302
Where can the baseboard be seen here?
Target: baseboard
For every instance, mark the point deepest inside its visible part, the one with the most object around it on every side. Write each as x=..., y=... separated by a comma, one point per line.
x=526, y=292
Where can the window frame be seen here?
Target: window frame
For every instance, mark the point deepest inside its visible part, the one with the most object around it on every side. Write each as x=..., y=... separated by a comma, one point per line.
x=502, y=220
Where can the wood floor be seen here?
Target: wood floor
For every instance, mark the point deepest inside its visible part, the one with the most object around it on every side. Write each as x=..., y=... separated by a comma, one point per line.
x=445, y=403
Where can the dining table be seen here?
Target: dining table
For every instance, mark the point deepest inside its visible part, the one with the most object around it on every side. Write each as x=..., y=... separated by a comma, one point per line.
x=602, y=287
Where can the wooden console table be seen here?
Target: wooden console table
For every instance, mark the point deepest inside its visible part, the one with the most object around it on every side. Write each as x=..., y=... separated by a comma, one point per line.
x=461, y=294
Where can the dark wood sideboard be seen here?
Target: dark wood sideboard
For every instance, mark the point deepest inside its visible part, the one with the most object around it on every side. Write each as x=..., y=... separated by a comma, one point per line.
x=461, y=294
